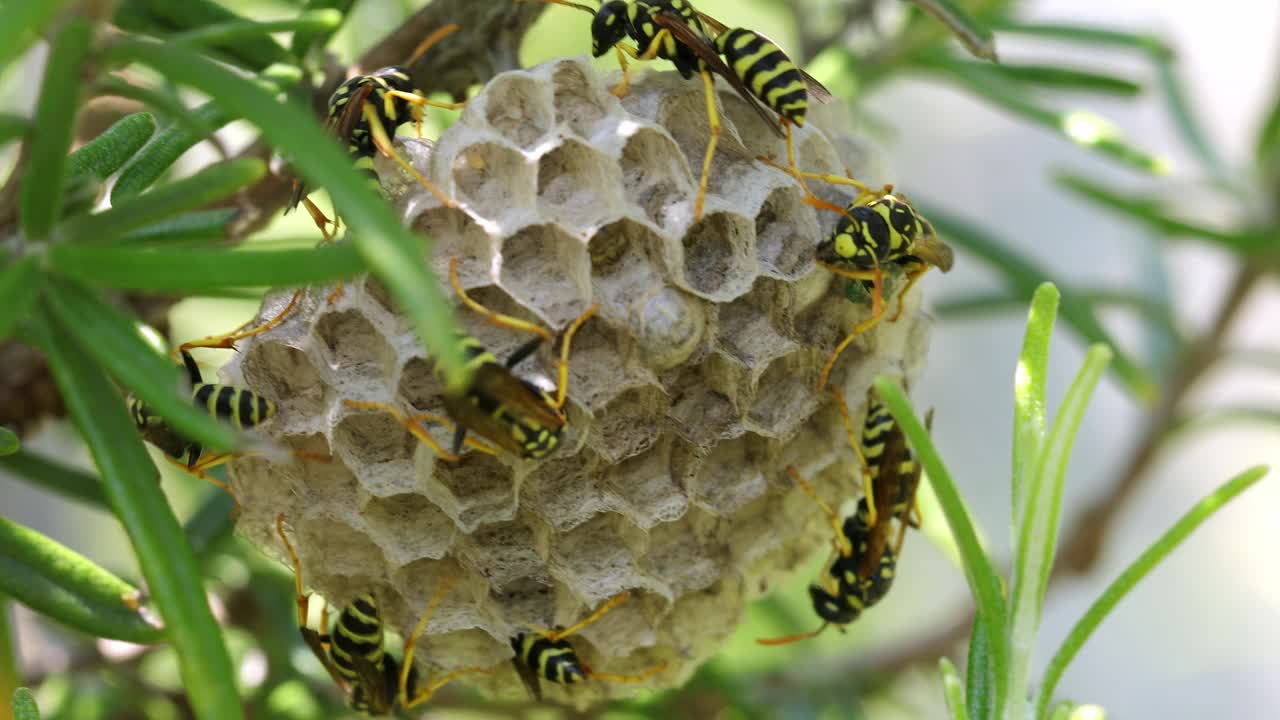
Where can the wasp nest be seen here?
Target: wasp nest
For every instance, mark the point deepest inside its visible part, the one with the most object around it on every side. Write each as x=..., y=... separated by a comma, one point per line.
x=689, y=394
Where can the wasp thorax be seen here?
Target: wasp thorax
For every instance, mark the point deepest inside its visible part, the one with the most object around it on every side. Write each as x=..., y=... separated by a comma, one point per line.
x=690, y=390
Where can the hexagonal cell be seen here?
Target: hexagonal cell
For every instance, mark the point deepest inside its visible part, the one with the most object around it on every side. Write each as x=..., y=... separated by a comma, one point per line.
x=580, y=102
x=528, y=599
x=356, y=557
x=683, y=558
x=783, y=400
x=596, y=346
x=753, y=330
x=284, y=375
x=762, y=135
x=501, y=553
x=629, y=424
x=656, y=178
x=519, y=108
x=577, y=185
x=669, y=325
x=454, y=234
x=547, y=269
x=379, y=450
x=478, y=488
x=786, y=235
x=349, y=342
x=704, y=400
x=410, y=527
x=593, y=560
x=493, y=179
x=375, y=290
x=419, y=386
x=646, y=484
x=565, y=492
x=732, y=476
x=719, y=257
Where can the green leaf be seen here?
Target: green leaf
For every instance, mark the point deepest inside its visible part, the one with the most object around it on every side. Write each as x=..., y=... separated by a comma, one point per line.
x=254, y=52
x=65, y=480
x=1062, y=711
x=8, y=443
x=24, y=23
x=1022, y=277
x=191, y=227
x=24, y=705
x=1148, y=212
x=1037, y=525
x=12, y=127
x=952, y=689
x=165, y=104
x=1134, y=574
x=164, y=150
x=1029, y=398
x=303, y=40
x=394, y=254
x=210, y=527
x=111, y=339
x=130, y=480
x=1268, y=143
x=107, y=153
x=980, y=683
x=18, y=285
x=975, y=36
x=201, y=270
x=1089, y=35
x=1081, y=127
x=235, y=31
x=984, y=583
x=54, y=125
x=1059, y=77
x=210, y=184
x=56, y=581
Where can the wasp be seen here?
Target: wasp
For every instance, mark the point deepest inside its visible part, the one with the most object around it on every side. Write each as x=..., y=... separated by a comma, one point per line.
x=757, y=69
x=503, y=408
x=354, y=652
x=863, y=562
x=548, y=654
x=365, y=112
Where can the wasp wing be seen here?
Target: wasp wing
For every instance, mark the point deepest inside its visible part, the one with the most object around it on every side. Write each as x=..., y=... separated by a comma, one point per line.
x=340, y=126
x=529, y=677
x=502, y=387
x=817, y=90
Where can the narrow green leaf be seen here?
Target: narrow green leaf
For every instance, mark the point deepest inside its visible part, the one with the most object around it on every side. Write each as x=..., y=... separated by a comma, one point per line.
x=56, y=581
x=1089, y=35
x=304, y=40
x=164, y=150
x=389, y=250
x=984, y=583
x=12, y=127
x=65, y=480
x=165, y=104
x=1029, y=398
x=200, y=270
x=54, y=125
x=1184, y=117
x=107, y=153
x=24, y=705
x=1062, y=711
x=1267, y=146
x=980, y=683
x=210, y=526
x=9, y=443
x=1081, y=127
x=129, y=477
x=254, y=52
x=1132, y=575
x=1037, y=526
x=1059, y=77
x=111, y=339
x=24, y=23
x=1147, y=211
x=194, y=226
x=234, y=31
x=212, y=183
x=18, y=285
x=1022, y=277
x=1185, y=426
x=952, y=689
x=974, y=35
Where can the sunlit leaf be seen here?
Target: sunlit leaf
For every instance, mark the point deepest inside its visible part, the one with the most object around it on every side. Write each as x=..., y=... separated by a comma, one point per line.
x=24, y=705
x=304, y=40
x=104, y=155
x=235, y=31
x=953, y=689
x=24, y=23
x=974, y=35
x=1029, y=398
x=191, y=227
x=255, y=52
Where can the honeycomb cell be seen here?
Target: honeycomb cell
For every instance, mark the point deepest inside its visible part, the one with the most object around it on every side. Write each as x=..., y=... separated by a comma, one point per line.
x=349, y=341
x=475, y=489
x=494, y=181
x=578, y=185
x=378, y=449
x=786, y=235
x=354, y=557
x=670, y=326
x=652, y=493
x=593, y=560
x=454, y=234
x=753, y=331
x=419, y=386
x=580, y=102
x=719, y=257
x=781, y=403
x=284, y=375
x=703, y=404
x=410, y=524
x=688, y=561
x=565, y=492
x=656, y=178
x=548, y=270
x=502, y=554
x=623, y=429
x=519, y=108
x=760, y=136
x=732, y=475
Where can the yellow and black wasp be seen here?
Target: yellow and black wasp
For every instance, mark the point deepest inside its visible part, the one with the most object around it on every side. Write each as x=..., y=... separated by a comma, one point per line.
x=365, y=112
x=759, y=71
x=548, y=654
x=354, y=653
x=863, y=562
x=503, y=408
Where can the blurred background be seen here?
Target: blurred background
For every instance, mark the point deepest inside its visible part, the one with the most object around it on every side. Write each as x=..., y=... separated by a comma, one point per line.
x=1202, y=634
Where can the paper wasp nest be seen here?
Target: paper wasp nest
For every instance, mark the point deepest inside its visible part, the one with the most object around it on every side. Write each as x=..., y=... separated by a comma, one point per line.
x=690, y=391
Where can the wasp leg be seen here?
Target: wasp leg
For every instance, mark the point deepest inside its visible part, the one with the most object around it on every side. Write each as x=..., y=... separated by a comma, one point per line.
x=317, y=641
x=713, y=123
x=788, y=639
x=839, y=541
x=227, y=341
x=410, y=645
x=858, y=329
x=492, y=317
x=641, y=677
x=562, y=389
x=868, y=488
x=409, y=423
x=554, y=635
x=384, y=144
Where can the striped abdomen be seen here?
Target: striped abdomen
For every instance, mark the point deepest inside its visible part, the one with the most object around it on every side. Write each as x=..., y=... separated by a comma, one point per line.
x=242, y=408
x=880, y=232
x=875, y=432
x=392, y=112
x=767, y=71
x=357, y=633
x=554, y=660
